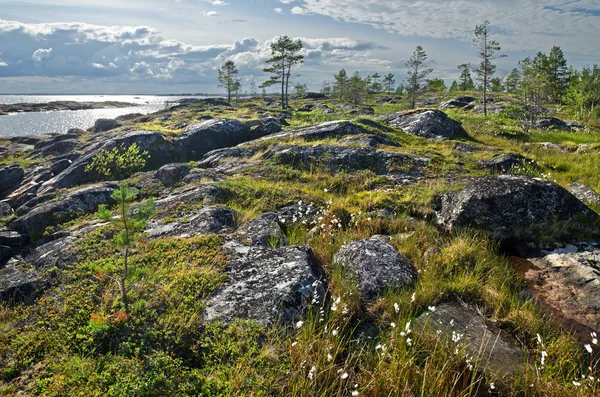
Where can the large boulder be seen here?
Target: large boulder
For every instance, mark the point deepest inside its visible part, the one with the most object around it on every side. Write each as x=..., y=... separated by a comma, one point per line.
x=5, y=209
x=267, y=285
x=340, y=158
x=200, y=138
x=60, y=147
x=207, y=220
x=552, y=123
x=376, y=266
x=205, y=193
x=516, y=208
x=10, y=177
x=568, y=282
x=431, y=124
x=5, y=253
x=63, y=209
x=11, y=238
x=492, y=351
x=102, y=125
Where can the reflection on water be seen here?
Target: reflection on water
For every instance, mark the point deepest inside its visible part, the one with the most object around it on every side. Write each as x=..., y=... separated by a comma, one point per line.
x=60, y=121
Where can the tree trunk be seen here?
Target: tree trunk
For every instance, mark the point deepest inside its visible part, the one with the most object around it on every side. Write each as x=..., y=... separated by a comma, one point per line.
x=123, y=279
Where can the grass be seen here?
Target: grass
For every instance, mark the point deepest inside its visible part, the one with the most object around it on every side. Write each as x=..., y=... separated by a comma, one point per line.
x=75, y=340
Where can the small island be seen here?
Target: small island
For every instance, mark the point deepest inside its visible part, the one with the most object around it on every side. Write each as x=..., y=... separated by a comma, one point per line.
x=6, y=109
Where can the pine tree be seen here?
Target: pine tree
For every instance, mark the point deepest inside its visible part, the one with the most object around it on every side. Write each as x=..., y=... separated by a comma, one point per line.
x=130, y=224
x=375, y=86
x=487, y=53
x=253, y=88
x=512, y=81
x=466, y=82
x=285, y=54
x=496, y=85
x=357, y=88
x=453, y=87
x=417, y=72
x=340, y=84
x=557, y=74
x=228, y=77
x=388, y=83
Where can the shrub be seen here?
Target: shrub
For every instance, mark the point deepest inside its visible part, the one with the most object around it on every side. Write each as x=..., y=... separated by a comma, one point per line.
x=118, y=163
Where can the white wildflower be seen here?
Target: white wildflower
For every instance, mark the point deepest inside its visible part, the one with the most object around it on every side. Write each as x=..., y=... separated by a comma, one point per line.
x=396, y=307
x=393, y=325
x=344, y=375
x=408, y=342
x=577, y=384
x=492, y=386
x=431, y=308
x=299, y=324
x=311, y=373
x=335, y=332
x=294, y=344
x=594, y=338
x=329, y=357
x=588, y=348
x=355, y=393
x=543, y=357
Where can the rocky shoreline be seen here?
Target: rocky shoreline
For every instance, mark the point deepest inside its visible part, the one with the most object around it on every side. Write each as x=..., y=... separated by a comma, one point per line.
x=6, y=109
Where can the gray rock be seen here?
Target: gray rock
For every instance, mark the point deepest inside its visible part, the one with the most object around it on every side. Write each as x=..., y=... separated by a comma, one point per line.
x=330, y=129
x=74, y=204
x=170, y=174
x=269, y=285
x=376, y=265
x=264, y=230
x=431, y=124
x=340, y=158
x=515, y=207
x=102, y=125
x=17, y=285
x=160, y=152
x=58, y=253
x=59, y=166
x=466, y=147
x=208, y=220
x=11, y=238
x=569, y=284
x=5, y=253
x=217, y=157
x=205, y=193
x=60, y=147
x=10, y=177
x=463, y=102
x=584, y=193
x=553, y=123
x=493, y=351
x=5, y=209
x=33, y=202
x=507, y=162
x=201, y=138
x=368, y=140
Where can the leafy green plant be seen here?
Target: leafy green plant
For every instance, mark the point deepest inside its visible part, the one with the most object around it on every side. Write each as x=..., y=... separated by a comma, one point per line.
x=129, y=223
x=118, y=163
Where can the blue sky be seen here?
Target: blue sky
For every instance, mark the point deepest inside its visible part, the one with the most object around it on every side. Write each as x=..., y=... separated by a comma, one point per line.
x=171, y=46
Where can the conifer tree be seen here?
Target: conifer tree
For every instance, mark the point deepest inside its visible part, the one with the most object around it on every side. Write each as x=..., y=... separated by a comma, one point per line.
x=228, y=77
x=417, y=73
x=285, y=54
x=487, y=49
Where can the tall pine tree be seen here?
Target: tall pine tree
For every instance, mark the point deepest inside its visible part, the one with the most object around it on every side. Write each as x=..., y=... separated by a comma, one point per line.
x=487, y=49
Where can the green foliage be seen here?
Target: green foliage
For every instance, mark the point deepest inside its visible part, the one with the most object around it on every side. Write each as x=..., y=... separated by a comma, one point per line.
x=465, y=80
x=228, y=77
x=417, y=73
x=285, y=55
x=128, y=224
x=118, y=163
x=487, y=49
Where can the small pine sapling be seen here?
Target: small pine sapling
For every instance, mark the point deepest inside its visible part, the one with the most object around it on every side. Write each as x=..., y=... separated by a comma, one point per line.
x=130, y=225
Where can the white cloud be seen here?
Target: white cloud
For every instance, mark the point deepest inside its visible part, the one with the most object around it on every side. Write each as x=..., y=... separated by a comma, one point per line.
x=286, y=1
x=3, y=64
x=219, y=3
x=519, y=25
x=41, y=53
x=278, y=10
x=210, y=13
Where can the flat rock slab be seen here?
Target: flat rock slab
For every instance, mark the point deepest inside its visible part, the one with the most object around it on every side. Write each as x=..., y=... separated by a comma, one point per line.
x=495, y=351
x=376, y=265
x=269, y=285
x=515, y=207
x=569, y=284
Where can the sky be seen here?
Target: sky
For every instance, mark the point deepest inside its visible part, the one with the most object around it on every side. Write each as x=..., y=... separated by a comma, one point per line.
x=176, y=46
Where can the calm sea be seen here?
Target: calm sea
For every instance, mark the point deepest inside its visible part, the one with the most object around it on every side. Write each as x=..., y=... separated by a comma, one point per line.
x=60, y=121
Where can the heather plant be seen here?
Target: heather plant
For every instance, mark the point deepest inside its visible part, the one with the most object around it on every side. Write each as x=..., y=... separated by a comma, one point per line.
x=118, y=163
